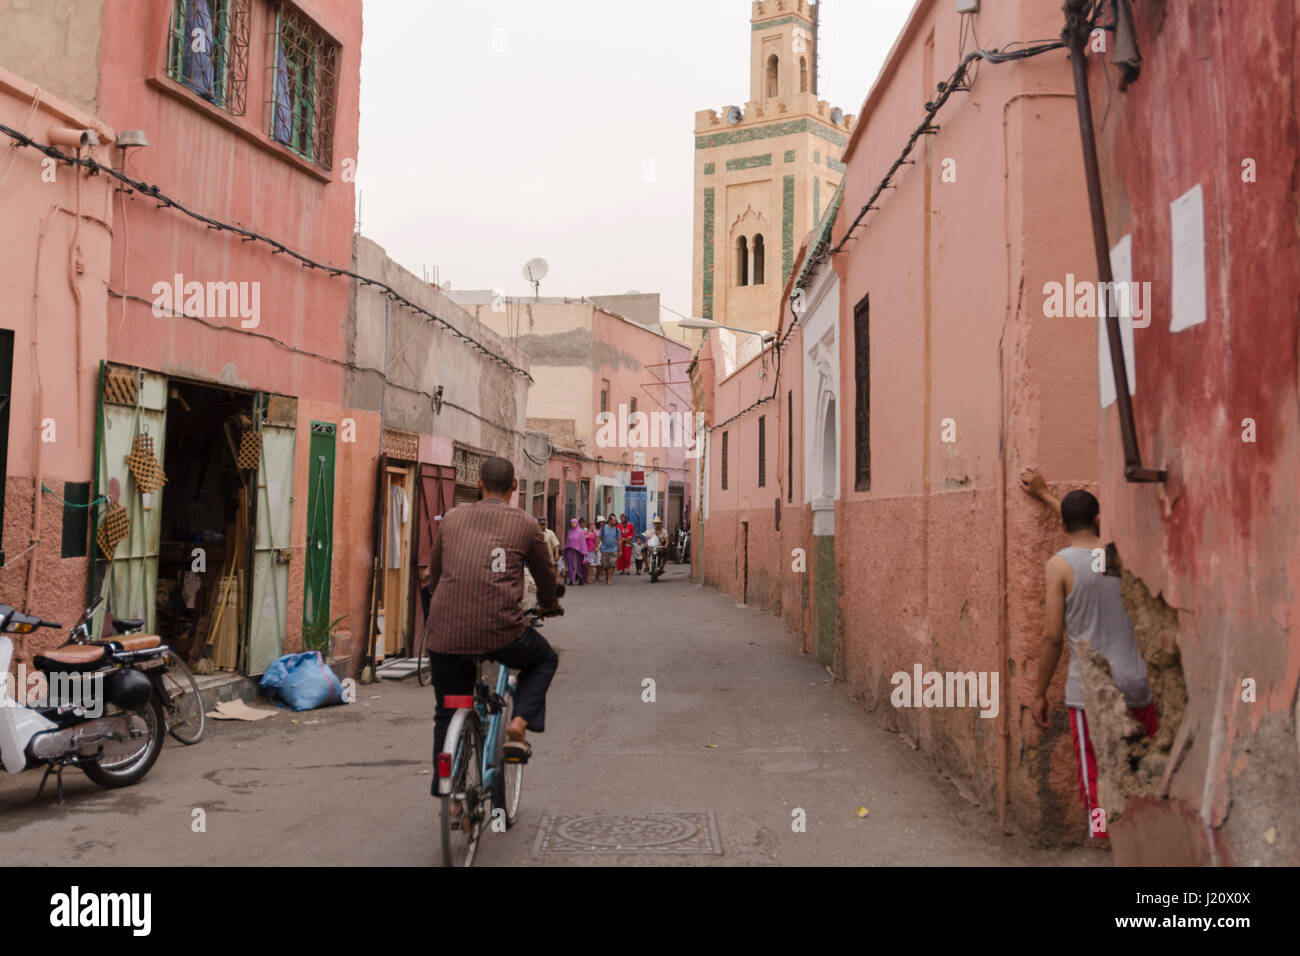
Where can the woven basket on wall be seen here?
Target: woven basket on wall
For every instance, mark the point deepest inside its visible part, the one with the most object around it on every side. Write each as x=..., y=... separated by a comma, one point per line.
x=144, y=466
x=114, y=526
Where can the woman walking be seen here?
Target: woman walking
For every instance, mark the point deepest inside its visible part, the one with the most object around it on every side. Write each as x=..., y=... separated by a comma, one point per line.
x=626, y=533
x=593, y=546
x=575, y=553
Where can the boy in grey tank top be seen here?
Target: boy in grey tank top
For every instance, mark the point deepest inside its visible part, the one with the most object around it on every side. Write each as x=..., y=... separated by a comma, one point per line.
x=1084, y=603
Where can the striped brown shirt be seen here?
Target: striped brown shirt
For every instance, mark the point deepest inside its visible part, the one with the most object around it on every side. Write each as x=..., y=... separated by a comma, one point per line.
x=476, y=572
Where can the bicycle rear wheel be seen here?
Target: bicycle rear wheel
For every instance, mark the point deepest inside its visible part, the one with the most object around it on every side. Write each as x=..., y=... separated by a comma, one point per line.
x=186, y=720
x=510, y=781
x=463, y=808
x=423, y=667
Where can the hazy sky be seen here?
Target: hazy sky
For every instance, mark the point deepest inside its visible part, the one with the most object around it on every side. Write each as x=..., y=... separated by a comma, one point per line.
x=493, y=131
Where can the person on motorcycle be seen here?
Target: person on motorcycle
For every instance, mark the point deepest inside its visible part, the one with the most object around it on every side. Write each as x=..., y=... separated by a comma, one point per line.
x=655, y=543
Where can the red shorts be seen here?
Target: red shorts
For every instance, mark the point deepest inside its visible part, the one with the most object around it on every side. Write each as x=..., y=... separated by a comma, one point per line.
x=1086, y=761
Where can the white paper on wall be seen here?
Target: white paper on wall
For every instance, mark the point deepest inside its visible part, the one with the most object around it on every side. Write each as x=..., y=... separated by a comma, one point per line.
x=1187, y=253
x=1121, y=267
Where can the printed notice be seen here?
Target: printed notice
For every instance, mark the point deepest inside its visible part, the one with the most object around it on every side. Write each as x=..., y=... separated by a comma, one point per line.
x=1187, y=218
x=1121, y=267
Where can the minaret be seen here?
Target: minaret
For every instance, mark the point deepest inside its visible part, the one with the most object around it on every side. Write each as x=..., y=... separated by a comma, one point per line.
x=765, y=172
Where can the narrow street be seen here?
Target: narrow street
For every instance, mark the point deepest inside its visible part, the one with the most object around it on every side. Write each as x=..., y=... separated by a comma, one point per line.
x=741, y=728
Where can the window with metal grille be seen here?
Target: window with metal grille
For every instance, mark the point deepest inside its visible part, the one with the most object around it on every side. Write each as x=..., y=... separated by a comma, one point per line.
x=631, y=408
x=862, y=383
x=724, y=461
x=604, y=395
x=762, y=451
x=207, y=50
x=303, y=87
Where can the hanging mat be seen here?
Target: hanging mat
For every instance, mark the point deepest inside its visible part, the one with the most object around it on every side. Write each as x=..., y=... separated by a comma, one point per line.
x=144, y=466
x=114, y=526
x=250, y=450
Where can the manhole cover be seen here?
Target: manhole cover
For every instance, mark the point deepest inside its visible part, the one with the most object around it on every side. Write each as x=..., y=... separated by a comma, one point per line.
x=628, y=833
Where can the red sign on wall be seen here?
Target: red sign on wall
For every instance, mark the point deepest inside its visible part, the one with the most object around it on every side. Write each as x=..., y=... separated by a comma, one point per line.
x=638, y=478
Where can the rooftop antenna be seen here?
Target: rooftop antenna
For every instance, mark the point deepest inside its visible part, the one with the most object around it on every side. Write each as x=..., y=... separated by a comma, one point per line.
x=534, y=272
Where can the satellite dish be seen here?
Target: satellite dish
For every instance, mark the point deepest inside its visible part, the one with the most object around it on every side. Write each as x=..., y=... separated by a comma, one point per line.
x=837, y=116
x=734, y=115
x=535, y=270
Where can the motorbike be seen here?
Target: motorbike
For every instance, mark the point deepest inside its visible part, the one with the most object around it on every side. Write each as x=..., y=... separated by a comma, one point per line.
x=658, y=558
x=682, y=547
x=101, y=707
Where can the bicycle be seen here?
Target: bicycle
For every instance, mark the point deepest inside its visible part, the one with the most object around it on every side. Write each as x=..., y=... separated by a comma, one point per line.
x=474, y=778
x=182, y=701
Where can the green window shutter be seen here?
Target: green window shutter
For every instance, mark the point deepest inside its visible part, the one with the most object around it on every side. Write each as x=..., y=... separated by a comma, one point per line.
x=76, y=525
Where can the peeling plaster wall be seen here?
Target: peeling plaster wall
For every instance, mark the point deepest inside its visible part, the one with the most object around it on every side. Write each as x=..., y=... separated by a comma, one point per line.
x=423, y=355
x=1220, y=541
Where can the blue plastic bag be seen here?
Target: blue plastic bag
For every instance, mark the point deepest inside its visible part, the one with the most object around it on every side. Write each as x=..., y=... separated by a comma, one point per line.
x=303, y=681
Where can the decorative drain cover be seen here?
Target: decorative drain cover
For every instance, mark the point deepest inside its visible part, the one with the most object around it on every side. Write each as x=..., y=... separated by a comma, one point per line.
x=673, y=833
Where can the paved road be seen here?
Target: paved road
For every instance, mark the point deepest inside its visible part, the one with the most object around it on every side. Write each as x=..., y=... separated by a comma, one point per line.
x=742, y=728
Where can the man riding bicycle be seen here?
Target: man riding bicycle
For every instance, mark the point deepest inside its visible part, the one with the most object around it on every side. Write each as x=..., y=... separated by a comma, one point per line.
x=476, y=572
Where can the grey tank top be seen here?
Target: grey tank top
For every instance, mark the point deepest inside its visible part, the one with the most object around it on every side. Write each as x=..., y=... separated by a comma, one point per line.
x=1095, y=611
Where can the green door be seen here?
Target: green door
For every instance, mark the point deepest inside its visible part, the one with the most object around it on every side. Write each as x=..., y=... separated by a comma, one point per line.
x=320, y=526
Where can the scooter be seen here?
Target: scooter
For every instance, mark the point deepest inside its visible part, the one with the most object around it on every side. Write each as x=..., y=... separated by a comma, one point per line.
x=101, y=707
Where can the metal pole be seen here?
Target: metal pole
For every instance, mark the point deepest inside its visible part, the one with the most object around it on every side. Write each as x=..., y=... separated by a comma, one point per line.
x=1076, y=35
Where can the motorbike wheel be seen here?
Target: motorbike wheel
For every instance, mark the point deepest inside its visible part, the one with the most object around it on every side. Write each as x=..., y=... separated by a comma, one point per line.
x=124, y=771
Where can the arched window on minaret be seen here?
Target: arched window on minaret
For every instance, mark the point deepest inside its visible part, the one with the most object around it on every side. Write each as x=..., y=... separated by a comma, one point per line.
x=759, y=256
x=803, y=74
x=742, y=261
x=773, y=76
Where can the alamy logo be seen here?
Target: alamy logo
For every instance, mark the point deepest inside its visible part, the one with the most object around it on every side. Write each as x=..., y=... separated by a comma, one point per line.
x=1084, y=300
x=133, y=910
x=83, y=693
x=651, y=430
x=953, y=689
x=211, y=300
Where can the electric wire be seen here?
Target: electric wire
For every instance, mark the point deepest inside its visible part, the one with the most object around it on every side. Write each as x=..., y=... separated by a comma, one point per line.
x=249, y=235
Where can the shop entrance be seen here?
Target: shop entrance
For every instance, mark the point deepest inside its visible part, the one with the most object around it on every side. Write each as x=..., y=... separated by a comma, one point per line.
x=203, y=558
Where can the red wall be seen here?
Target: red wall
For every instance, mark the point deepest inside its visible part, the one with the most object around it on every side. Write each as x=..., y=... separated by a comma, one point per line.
x=1221, y=539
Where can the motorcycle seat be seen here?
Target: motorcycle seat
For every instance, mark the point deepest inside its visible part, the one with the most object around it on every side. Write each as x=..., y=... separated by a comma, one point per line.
x=123, y=624
x=75, y=657
x=141, y=642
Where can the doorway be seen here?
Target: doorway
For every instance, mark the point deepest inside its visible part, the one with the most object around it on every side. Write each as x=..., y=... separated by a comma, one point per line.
x=204, y=554
x=394, y=607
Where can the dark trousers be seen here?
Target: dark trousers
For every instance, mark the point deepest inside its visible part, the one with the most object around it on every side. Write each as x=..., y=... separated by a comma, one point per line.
x=454, y=674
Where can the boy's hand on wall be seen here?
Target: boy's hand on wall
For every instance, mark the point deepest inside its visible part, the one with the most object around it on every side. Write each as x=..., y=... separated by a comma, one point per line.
x=1033, y=483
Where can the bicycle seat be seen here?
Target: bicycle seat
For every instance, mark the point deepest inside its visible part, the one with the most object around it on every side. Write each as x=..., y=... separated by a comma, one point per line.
x=123, y=624
x=141, y=642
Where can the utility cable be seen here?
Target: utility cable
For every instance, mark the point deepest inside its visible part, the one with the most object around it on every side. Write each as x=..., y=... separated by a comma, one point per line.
x=248, y=235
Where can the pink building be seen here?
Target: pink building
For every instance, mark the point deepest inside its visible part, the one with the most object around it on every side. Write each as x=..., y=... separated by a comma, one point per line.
x=598, y=373
x=59, y=244
x=224, y=358
x=923, y=374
